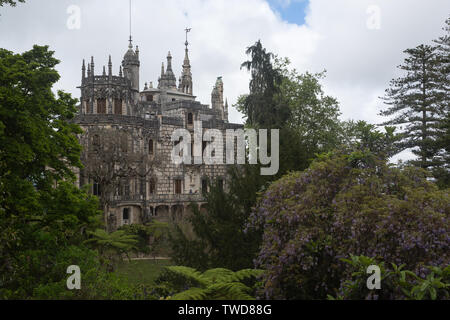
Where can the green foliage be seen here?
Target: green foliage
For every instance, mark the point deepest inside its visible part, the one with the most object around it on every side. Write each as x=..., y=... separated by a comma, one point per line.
x=213, y=284
x=220, y=239
x=416, y=102
x=396, y=282
x=111, y=246
x=259, y=106
x=151, y=236
x=347, y=204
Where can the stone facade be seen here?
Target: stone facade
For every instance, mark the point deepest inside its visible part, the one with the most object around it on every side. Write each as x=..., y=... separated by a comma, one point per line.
x=113, y=107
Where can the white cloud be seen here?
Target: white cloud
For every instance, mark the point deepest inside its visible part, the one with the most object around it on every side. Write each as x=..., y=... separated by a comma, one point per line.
x=360, y=61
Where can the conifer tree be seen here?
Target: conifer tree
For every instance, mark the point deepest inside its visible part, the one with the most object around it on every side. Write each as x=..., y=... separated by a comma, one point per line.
x=415, y=101
x=443, y=58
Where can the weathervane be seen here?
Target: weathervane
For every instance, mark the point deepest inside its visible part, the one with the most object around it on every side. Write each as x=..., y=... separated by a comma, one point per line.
x=187, y=30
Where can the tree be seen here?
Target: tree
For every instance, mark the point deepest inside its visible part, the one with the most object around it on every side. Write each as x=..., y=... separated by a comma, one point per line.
x=442, y=173
x=41, y=210
x=112, y=164
x=219, y=238
x=12, y=3
x=347, y=202
x=213, y=284
x=416, y=101
x=111, y=245
x=259, y=106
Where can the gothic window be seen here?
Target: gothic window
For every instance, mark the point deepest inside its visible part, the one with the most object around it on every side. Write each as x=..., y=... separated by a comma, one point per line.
x=190, y=118
x=126, y=188
x=150, y=147
x=177, y=186
x=126, y=214
x=117, y=106
x=101, y=105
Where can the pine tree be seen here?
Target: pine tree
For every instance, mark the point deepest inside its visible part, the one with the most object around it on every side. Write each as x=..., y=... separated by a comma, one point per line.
x=260, y=106
x=443, y=58
x=416, y=102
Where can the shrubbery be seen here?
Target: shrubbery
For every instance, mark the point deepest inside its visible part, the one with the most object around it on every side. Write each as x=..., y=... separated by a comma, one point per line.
x=347, y=203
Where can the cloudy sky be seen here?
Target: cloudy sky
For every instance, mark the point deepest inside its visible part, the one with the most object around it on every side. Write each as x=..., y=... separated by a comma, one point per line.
x=358, y=42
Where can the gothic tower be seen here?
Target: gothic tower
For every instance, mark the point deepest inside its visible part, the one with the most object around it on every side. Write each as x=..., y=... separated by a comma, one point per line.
x=131, y=65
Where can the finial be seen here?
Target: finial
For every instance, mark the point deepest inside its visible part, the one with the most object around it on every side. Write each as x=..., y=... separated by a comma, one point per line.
x=92, y=65
x=120, y=71
x=145, y=86
x=187, y=30
x=83, y=70
x=104, y=71
x=130, y=45
x=151, y=84
x=110, y=66
x=162, y=69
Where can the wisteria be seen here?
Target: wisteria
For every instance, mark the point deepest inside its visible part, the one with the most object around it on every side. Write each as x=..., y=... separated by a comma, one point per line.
x=339, y=207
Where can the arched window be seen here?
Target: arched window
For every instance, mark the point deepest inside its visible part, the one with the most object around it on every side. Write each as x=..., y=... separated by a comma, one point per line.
x=126, y=214
x=101, y=105
x=190, y=118
x=150, y=147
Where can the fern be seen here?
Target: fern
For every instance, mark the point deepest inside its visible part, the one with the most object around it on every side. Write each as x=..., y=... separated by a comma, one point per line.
x=215, y=284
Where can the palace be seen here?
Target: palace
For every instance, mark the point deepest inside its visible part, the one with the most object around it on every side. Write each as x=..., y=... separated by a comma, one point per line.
x=127, y=143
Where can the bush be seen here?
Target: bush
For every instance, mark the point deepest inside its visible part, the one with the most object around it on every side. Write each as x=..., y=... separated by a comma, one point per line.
x=347, y=204
x=396, y=282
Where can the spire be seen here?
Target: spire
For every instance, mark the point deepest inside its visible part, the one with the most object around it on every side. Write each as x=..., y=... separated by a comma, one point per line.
x=83, y=70
x=109, y=66
x=89, y=70
x=169, y=62
x=92, y=65
x=185, y=84
x=120, y=71
x=104, y=71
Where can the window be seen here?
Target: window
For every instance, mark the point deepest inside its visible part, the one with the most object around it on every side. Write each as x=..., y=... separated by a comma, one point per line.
x=149, y=97
x=101, y=105
x=173, y=99
x=204, y=185
x=150, y=147
x=126, y=188
x=190, y=118
x=126, y=214
x=152, y=188
x=117, y=106
x=96, y=189
x=177, y=186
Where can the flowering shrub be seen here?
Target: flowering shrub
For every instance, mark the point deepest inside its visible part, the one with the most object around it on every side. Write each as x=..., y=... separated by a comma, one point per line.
x=347, y=204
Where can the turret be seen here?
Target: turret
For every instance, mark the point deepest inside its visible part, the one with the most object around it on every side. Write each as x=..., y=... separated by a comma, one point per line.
x=217, y=98
x=131, y=65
